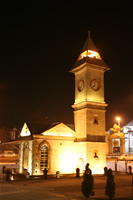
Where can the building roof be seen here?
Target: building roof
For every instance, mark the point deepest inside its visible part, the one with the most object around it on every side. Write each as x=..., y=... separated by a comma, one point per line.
x=89, y=45
x=130, y=123
x=71, y=126
x=37, y=128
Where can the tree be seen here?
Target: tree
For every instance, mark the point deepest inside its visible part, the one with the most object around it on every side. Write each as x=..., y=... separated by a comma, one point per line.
x=88, y=183
x=110, y=185
x=38, y=117
x=4, y=137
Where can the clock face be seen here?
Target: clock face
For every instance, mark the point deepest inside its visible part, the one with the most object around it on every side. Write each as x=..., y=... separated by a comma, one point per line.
x=95, y=85
x=81, y=85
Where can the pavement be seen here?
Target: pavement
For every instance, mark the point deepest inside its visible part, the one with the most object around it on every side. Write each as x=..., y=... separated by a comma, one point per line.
x=65, y=188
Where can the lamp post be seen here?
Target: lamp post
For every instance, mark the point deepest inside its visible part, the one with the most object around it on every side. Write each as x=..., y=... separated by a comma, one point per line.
x=132, y=184
x=118, y=119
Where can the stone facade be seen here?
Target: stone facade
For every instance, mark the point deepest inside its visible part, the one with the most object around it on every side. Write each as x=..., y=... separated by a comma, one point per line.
x=61, y=147
x=121, y=145
x=89, y=106
x=59, y=140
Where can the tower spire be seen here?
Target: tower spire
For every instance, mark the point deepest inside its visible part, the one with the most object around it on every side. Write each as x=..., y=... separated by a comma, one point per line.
x=89, y=33
x=88, y=52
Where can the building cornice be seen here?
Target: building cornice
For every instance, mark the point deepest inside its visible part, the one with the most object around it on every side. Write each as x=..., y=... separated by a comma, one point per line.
x=89, y=104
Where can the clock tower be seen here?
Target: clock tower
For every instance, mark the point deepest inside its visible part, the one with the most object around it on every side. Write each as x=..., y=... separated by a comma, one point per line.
x=90, y=107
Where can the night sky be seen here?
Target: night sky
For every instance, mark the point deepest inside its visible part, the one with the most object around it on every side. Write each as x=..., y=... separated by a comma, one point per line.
x=39, y=44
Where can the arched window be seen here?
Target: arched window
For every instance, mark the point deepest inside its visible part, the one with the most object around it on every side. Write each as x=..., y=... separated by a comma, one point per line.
x=44, y=160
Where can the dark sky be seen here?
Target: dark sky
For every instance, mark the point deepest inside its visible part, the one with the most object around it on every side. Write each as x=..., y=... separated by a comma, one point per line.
x=39, y=44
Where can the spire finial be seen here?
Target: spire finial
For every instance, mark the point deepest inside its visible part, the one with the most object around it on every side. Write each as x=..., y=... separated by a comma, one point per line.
x=89, y=33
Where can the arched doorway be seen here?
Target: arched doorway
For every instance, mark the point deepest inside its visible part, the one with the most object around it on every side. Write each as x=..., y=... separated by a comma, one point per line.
x=80, y=164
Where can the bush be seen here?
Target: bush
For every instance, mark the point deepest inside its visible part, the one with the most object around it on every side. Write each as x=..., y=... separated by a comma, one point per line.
x=88, y=184
x=110, y=185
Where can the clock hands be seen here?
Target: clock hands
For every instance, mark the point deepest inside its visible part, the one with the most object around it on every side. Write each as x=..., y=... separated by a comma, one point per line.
x=94, y=84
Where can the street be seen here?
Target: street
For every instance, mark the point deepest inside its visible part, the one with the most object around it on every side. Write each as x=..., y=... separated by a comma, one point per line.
x=68, y=188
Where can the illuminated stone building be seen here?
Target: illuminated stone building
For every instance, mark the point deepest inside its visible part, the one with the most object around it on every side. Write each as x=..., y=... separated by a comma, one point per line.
x=61, y=147
x=128, y=131
x=89, y=107
x=121, y=143
x=48, y=146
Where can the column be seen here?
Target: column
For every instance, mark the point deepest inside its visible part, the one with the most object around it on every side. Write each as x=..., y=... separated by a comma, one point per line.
x=21, y=145
x=30, y=157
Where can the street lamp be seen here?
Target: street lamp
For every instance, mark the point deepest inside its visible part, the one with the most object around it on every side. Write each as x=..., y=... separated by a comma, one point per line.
x=118, y=119
x=132, y=184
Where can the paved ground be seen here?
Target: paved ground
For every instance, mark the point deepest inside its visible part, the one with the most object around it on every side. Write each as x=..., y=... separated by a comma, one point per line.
x=65, y=188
